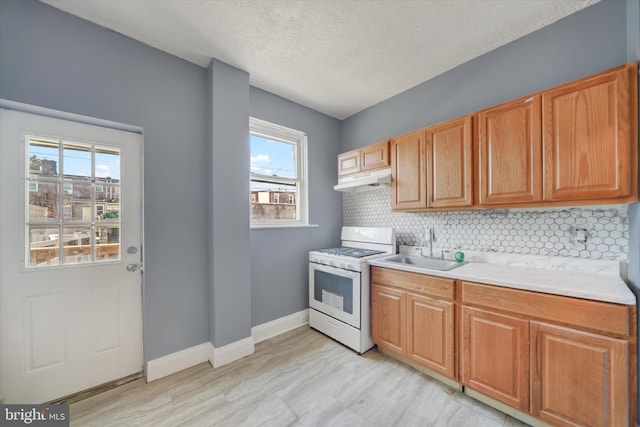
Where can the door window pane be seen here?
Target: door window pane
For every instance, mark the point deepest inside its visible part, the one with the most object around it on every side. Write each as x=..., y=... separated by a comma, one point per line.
x=44, y=157
x=43, y=244
x=107, y=243
x=112, y=210
x=73, y=195
x=77, y=161
x=79, y=201
x=43, y=201
x=107, y=163
x=77, y=245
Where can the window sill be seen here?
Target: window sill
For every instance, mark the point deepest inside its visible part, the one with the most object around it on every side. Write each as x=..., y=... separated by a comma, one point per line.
x=261, y=226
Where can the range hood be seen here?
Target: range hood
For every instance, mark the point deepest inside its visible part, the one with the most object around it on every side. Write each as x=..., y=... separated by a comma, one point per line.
x=364, y=181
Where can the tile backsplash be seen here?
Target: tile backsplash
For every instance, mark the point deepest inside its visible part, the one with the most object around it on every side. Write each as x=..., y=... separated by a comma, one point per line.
x=539, y=231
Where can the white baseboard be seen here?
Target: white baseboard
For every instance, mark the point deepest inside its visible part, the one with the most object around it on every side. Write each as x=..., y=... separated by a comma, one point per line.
x=206, y=352
x=232, y=352
x=175, y=362
x=279, y=326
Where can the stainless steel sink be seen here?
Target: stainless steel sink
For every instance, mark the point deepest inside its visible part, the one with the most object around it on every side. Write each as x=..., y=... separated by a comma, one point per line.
x=430, y=263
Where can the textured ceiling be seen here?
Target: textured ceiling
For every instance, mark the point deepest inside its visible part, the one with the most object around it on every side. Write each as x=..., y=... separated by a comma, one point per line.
x=335, y=56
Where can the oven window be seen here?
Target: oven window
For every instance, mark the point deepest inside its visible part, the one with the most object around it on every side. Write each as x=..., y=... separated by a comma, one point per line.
x=333, y=290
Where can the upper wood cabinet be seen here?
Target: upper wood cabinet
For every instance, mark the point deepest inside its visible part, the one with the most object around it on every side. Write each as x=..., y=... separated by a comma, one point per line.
x=408, y=171
x=449, y=163
x=349, y=163
x=371, y=157
x=590, y=137
x=573, y=144
x=432, y=167
x=374, y=156
x=510, y=152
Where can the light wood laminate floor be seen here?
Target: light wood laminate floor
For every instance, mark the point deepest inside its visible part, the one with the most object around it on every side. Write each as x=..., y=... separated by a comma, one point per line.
x=301, y=378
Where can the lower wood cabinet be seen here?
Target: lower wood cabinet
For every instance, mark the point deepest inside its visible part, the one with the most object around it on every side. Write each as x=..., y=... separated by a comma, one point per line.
x=579, y=378
x=579, y=373
x=430, y=334
x=495, y=356
x=388, y=313
x=565, y=361
x=412, y=317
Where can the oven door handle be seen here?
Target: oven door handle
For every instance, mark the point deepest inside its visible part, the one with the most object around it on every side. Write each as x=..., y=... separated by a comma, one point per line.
x=335, y=270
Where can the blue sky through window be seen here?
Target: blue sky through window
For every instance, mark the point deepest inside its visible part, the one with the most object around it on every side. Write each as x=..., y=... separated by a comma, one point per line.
x=274, y=159
x=77, y=159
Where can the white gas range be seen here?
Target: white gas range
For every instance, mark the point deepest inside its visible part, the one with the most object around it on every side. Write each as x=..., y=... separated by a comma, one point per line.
x=339, y=285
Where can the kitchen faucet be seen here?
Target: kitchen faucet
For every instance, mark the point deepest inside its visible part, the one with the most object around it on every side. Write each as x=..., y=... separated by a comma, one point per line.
x=431, y=239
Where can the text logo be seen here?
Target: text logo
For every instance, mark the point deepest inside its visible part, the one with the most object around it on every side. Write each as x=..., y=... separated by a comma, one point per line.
x=34, y=415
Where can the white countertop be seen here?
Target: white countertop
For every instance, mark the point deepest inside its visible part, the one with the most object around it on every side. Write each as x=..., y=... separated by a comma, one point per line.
x=595, y=285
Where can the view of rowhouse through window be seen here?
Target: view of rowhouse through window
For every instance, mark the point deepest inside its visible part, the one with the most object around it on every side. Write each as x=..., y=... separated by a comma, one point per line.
x=277, y=175
x=73, y=202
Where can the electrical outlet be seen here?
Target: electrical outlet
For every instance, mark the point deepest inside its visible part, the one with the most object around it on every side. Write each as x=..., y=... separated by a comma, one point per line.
x=581, y=235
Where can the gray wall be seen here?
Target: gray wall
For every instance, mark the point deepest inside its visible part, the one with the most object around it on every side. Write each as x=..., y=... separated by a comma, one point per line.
x=52, y=59
x=230, y=280
x=584, y=43
x=279, y=268
x=198, y=286
x=602, y=36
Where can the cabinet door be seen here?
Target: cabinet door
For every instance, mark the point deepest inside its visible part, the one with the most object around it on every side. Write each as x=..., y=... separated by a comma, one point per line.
x=388, y=314
x=510, y=152
x=408, y=187
x=349, y=162
x=587, y=137
x=375, y=156
x=430, y=334
x=578, y=378
x=495, y=356
x=450, y=156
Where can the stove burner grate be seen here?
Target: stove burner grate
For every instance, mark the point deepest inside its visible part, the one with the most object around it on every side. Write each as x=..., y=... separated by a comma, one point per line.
x=350, y=252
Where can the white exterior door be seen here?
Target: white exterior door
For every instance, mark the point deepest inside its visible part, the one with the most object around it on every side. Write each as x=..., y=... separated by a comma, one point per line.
x=70, y=256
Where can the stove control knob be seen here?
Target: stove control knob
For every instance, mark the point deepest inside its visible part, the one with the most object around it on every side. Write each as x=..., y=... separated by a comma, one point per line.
x=332, y=263
x=351, y=267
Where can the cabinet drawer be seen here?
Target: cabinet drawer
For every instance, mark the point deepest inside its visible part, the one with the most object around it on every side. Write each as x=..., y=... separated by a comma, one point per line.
x=595, y=315
x=436, y=287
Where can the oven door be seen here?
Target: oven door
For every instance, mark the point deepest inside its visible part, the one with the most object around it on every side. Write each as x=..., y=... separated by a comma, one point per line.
x=335, y=292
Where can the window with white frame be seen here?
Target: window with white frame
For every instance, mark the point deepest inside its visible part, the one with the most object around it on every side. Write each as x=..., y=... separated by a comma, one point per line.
x=278, y=166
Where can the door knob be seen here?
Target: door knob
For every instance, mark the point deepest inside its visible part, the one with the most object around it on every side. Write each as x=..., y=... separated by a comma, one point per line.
x=132, y=267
